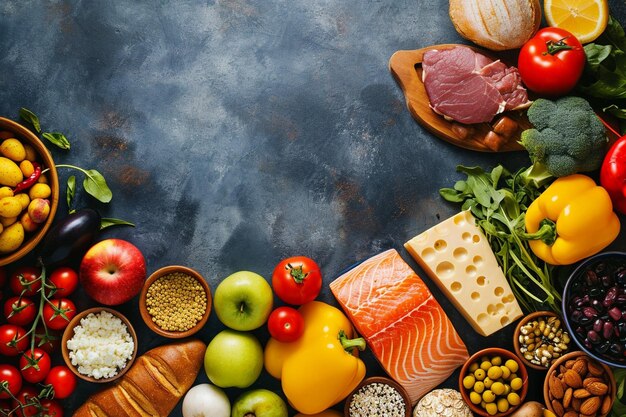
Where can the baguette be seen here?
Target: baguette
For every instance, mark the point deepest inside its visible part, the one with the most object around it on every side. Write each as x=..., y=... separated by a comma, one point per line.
x=496, y=24
x=152, y=386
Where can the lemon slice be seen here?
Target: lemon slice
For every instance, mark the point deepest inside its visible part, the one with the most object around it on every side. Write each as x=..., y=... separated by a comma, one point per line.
x=585, y=19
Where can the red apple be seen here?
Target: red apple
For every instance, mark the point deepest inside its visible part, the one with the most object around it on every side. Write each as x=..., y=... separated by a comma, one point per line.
x=113, y=271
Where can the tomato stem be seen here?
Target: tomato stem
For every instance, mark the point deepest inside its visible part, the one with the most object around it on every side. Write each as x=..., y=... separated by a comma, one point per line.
x=554, y=47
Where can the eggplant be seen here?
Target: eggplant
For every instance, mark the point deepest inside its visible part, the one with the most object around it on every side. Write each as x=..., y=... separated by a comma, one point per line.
x=69, y=238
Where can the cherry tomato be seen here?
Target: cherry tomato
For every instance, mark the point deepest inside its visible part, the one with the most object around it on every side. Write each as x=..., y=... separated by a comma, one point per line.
x=20, y=311
x=52, y=408
x=51, y=344
x=11, y=375
x=26, y=396
x=551, y=62
x=35, y=365
x=9, y=334
x=285, y=324
x=5, y=407
x=62, y=380
x=53, y=316
x=25, y=278
x=297, y=280
x=65, y=280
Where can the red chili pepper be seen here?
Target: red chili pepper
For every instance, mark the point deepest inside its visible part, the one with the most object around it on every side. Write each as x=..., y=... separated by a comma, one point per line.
x=30, y=180
x=613, y=174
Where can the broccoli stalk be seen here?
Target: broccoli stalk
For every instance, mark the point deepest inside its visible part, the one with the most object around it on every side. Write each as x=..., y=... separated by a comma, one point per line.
x=567, y=138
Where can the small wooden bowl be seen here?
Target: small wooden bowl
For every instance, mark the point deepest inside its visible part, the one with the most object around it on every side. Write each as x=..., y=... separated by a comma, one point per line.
x=147, y=318
x=31, y=240
x=516, y=334
x=505, y=355
x=574, y=355
x=380, y=380
x=69, y=333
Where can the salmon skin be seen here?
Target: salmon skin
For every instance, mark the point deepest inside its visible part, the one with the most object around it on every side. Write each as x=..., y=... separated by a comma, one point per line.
x=405, y=327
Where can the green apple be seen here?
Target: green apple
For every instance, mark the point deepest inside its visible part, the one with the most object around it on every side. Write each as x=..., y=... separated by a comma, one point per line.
x=259, y=403
x=233, y=359
x=243, y=301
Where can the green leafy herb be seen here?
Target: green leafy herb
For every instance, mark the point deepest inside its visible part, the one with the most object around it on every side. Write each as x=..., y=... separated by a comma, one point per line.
x=499, y=200
x=31, y=118
x=94, y=183
x=70, y=191
x=57, y=139
x=619, y=408
x=108, y=222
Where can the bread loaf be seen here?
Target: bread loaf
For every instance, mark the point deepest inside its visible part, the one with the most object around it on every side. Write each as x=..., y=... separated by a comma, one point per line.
x=496, y=24
x=152, y=386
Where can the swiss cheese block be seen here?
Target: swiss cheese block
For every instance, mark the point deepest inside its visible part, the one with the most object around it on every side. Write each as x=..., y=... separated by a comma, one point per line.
x=457, y=256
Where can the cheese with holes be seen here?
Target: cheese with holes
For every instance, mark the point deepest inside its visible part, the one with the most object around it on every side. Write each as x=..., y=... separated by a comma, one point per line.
x=457, y=256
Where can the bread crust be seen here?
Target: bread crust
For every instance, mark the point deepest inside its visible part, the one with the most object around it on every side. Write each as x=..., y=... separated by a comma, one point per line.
x=152, y=386
x=496, y=24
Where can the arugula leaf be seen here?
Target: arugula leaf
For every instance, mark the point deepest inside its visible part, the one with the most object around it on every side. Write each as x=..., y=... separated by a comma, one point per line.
x=109, y=221
x=31, y=118
x=57, y=139
x=70, y=191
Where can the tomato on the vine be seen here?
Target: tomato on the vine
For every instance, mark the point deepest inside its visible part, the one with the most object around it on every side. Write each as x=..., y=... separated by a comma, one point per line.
x=50, y=343
x=285, y=324
x=551, y=62
x=25, y=278
x=297, y=280
x=20, y=311
x=10, y=375
x=62, y=380
x=52, y=408
x=12, y=340
x=65, y=280
x=35, y=365
x=26, y=397
x=58, y=312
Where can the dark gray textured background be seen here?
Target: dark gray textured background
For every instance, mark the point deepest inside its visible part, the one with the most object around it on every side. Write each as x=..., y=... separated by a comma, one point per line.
x=235, y=133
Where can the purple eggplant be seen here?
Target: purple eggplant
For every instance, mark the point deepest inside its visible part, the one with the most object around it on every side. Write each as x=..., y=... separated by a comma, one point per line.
x=70, y=238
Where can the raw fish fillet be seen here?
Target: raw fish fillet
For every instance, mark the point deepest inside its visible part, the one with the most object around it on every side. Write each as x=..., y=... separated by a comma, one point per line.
x=405, y=327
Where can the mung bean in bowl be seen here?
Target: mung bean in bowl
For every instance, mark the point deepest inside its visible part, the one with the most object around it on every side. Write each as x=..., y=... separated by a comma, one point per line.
x=378, y=396
x=175, y=302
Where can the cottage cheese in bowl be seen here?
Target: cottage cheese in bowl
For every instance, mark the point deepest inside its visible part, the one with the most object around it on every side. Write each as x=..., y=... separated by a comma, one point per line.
x=101, y=345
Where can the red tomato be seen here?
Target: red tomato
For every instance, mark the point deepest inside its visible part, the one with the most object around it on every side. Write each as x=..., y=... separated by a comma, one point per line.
x=51, y=344
x=285, y=324
x=5, y=407
x=11, y=375
x=53, y=316
x=297, y=280
x=552, y=62
x=26, y=396
x=65, y=280
x=12, y=340
x=20, y=311
x=62, y=380
x=52, y=408
x=25, y=278
x=35, y=365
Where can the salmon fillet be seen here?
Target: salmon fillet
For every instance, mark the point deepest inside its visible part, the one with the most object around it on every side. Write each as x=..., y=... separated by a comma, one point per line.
x=405, y=327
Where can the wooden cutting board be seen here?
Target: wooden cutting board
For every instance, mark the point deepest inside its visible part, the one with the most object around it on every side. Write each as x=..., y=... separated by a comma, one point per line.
x=406, y=67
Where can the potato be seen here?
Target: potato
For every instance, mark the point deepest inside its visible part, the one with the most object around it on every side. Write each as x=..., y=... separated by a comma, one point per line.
x=10, y=207
x=24, y=199
x=532, y=409
x=31, y=153
x=7, y=221
x=39, y=191
x=43, y=179
x=38, y=209
x=11, y=238
x=27, y=168
x=28, y=224
x=10, y=173
x=13, y=149
x=6, y=192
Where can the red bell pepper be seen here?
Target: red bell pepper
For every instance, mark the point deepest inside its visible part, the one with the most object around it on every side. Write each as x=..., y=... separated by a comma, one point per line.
x=613, y=174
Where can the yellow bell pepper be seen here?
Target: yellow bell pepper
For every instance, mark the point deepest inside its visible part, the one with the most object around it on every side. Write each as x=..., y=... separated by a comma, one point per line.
x=320, y=368
x=571, y=220
x=327, y=413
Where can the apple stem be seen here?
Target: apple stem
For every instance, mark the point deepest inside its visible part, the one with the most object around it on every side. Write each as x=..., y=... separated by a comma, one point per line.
x=242, y=308
x=351, y=344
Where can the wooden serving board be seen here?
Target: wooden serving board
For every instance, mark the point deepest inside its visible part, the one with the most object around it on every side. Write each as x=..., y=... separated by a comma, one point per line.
x=406, y=67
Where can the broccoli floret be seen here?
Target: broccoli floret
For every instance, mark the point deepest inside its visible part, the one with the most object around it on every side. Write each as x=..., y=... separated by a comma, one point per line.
x=567, y=138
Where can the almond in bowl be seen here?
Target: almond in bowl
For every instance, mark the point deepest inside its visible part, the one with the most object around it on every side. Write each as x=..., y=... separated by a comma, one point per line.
x=577, y=384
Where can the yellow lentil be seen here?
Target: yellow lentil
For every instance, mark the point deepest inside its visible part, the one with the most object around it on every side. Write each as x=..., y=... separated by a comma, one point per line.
x=176, y=302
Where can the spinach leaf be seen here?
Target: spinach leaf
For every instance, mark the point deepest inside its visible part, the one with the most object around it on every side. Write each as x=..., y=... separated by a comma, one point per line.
x=58, y=139
x=70, y=191
x=31, y=118
x=109, y=221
